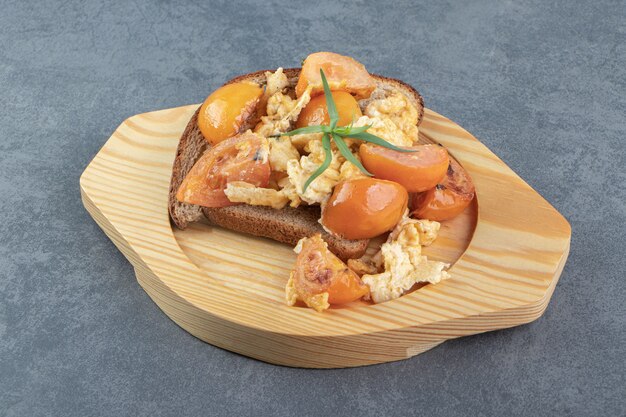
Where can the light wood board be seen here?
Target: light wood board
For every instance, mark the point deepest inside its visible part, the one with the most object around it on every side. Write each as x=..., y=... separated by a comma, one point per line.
x=508, y=250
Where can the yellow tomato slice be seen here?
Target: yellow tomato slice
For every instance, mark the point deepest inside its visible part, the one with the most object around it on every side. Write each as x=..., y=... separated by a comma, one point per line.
x=241, y=158
x=342, y=72
x=225, y=111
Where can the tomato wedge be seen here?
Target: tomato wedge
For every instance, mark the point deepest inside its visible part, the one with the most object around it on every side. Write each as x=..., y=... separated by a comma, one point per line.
x=316, y=113
x=240, y=158
x=448, y=199
x=363, y=208
x=224, y=112
x=318, y=270
x=417, y=171
x=342, y=72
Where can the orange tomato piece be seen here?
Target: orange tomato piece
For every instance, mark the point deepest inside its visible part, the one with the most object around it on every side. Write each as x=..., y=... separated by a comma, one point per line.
x=241, y=158
x=364, y=207
x=447, y=199
x=342, y=72
x=417, y=171
x=318, y=270
x=316, y=112
x=225, y=111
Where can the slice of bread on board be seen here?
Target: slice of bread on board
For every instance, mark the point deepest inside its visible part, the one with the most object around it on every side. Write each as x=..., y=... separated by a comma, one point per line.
x=287, y=225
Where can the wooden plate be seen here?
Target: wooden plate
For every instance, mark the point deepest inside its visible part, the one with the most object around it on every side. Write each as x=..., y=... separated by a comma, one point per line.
x=508, y=250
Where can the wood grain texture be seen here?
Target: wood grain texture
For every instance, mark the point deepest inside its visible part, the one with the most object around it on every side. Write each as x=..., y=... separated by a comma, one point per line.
x=508, y=250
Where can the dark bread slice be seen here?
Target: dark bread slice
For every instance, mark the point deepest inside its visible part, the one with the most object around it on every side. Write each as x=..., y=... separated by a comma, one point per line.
x=287, y=225
x=191, y=146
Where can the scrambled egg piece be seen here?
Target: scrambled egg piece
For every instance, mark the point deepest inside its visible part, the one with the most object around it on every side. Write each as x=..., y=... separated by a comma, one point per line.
x=289, y=191
x=348, y=170
x=282, y=111
x=291, y=295
x=281, y=151
x=399, y=109
x=301, y=142
x=243, y=192
x=322, y=187
x=404, y=265
x=300, y=171
x=426, y=229
x=276, y=82
x=279, y=105
x=386, y=129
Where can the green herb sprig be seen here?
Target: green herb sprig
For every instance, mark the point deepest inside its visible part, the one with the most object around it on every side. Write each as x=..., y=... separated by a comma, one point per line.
x=338, y=134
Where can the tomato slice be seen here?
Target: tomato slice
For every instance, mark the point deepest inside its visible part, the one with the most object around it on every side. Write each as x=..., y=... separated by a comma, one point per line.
x=342, y=72
x=316, y=112
x=363, y=208
x=240, y=158
x=318, y=270
x=447, y=199
x=417, y=171
x=224, y=112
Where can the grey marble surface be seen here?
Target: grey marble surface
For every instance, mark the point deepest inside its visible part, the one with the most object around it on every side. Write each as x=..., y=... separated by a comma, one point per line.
x=542, y=83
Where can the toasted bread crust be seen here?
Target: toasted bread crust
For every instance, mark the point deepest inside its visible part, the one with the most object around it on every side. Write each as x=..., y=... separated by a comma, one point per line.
x=287, y=225
x=192, y=145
